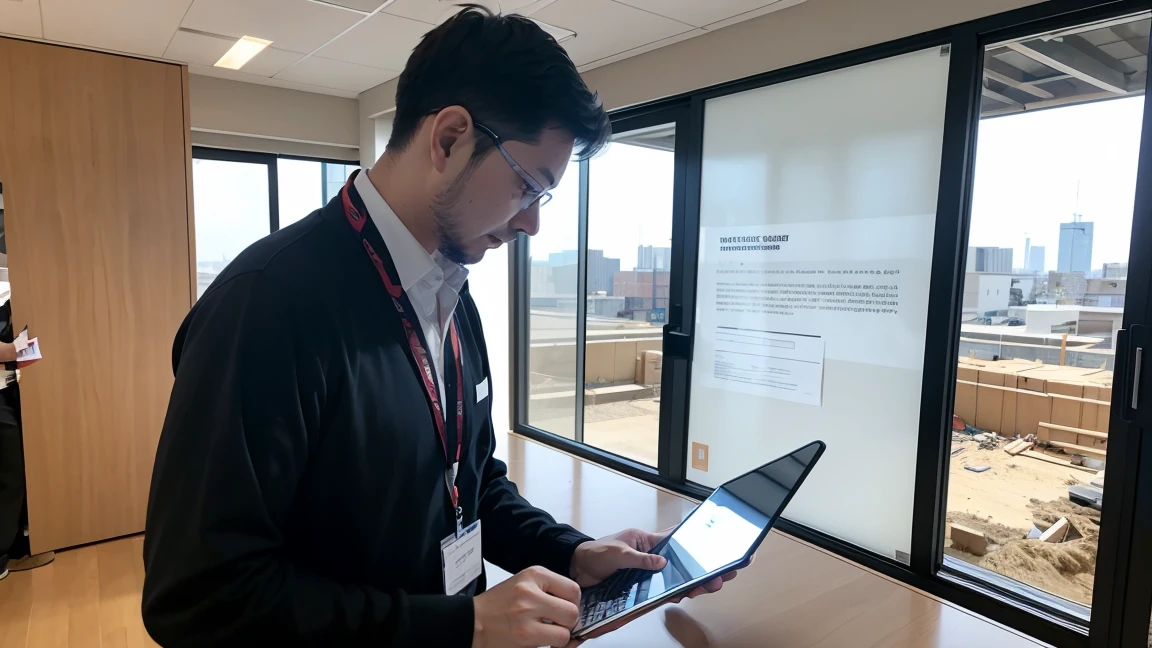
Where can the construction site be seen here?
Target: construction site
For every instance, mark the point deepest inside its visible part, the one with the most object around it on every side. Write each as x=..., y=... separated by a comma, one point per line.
x=1027, y=477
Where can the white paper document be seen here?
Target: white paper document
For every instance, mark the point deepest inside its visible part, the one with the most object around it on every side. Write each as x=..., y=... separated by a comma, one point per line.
x=762, y=363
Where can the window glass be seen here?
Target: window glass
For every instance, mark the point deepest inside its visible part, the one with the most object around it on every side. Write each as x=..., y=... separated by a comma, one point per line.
x=553, y=293
x=1044, y=293
x=231, y=212
x=629, y=266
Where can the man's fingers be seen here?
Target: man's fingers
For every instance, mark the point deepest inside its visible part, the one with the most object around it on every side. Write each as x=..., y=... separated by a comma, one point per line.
x=729, y=576
x=558, y=586
x=558, y=611
x=648, y=540
x=547, y=634
x=632, y=559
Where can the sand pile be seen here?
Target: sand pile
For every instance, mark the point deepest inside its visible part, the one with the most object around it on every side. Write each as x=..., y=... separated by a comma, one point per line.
x=1065, y=569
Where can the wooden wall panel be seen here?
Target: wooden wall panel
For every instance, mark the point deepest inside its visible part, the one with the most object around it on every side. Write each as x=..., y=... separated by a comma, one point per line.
x=94, y=161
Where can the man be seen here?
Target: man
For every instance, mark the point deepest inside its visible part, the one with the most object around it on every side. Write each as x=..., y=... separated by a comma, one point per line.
x=15, y=551
x=328, y=446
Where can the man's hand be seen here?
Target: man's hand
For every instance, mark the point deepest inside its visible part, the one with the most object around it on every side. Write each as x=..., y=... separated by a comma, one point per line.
x=592, y=562
x=533, y=608
x=595, y=561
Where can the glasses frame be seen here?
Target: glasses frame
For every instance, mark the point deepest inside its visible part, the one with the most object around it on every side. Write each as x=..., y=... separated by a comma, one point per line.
x=539, y=193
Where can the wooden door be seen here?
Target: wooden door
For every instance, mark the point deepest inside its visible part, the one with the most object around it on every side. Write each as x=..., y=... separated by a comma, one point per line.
x=94, y=156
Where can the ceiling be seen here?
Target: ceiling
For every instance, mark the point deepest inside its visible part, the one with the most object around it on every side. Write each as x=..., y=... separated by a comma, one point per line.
x=1103, y=60
x=343, y=47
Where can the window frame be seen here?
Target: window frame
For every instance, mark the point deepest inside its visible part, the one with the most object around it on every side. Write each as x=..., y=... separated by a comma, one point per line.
x=1003, y=603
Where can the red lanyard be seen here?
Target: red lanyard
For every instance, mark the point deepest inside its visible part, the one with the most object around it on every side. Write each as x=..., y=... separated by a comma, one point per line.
x=354, y=210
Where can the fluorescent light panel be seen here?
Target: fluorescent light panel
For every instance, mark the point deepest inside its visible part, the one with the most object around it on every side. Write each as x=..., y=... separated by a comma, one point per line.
x=242, y=52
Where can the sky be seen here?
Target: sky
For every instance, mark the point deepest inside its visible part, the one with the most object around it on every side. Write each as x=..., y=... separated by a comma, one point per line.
x=629, y=204
x=1028, y=167
x=231, y=202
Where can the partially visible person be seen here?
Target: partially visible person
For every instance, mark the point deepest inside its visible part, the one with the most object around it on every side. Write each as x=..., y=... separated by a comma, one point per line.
x=15, y=551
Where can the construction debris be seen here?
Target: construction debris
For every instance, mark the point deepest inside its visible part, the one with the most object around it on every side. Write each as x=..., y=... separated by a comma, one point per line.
x=1053, y=460
x=1057, y=532
x=977, y=469
x=1086, y=496
x=969, y=540
x=1098, y=480
x=1016, y=447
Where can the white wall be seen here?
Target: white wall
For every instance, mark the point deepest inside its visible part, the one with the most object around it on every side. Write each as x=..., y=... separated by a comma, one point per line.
x=232, y=113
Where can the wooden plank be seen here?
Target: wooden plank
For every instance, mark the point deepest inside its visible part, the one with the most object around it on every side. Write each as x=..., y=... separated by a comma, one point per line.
x=1079, y=449
x=1017, y=447
x=1057, y=532
x=1053, y=460
x=1065, y=428
x=970, y=540
x=94, y=165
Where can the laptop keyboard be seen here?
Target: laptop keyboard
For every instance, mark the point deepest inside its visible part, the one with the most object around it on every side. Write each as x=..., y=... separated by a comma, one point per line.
x=610, y=599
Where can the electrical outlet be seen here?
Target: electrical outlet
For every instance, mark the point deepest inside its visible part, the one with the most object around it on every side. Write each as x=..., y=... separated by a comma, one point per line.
x=700, y=456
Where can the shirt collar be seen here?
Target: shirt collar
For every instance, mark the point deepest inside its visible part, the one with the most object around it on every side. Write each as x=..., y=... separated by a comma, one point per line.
x=413, y=263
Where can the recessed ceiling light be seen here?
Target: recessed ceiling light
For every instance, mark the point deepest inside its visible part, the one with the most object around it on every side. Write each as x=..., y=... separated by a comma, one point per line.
x=242, y=52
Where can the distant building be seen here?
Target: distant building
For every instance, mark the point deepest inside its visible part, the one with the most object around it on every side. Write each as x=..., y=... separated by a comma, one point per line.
x=1036, y=260
x=563, y=273
x=1067, y=287
x=986, y=294
x=1115, y=270
x=990, y=259
x=1107, y=293
x=1075, y=253
x=635, y=286
x=650, y=257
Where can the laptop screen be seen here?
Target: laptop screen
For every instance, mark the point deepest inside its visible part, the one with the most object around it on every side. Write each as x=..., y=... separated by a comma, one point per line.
x=723, y=529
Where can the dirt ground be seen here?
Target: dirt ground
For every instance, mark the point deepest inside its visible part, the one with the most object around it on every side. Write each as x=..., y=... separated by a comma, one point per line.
x=1005, y=501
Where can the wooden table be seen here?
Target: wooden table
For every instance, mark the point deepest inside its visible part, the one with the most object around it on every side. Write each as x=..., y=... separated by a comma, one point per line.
x=795, y=595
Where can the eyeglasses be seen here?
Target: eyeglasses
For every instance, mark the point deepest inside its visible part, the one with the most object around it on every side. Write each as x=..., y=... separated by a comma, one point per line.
x=537, y=192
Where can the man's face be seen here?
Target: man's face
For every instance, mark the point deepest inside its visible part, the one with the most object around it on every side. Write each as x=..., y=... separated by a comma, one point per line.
x=480, y=210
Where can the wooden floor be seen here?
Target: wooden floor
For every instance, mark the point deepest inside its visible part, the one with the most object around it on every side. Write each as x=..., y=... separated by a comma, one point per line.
x=794, y=596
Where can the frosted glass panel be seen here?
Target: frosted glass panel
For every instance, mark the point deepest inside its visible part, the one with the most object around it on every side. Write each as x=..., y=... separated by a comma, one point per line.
x=818, y=208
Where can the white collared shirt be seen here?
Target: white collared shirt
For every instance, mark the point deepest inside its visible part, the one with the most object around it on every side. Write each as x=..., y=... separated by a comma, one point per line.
x=431, y=281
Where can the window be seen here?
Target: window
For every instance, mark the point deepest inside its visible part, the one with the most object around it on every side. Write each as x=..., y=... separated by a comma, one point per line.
x=307, y=185
x=232, y=211
x=552, y=311
x=242, y=197
x=930, y=254
x=629, y=267
x=1034, y=382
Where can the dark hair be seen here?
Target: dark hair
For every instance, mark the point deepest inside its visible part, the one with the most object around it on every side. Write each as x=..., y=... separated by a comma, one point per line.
x=510, y=74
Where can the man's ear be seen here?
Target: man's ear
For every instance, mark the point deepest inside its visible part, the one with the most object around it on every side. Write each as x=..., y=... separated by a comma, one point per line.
x=448, y=138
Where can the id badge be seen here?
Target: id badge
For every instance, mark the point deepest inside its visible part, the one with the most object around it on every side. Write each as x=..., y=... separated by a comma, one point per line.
x=461, y=559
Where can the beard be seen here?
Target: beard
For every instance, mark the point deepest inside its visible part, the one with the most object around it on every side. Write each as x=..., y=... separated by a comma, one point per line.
x=448, y=225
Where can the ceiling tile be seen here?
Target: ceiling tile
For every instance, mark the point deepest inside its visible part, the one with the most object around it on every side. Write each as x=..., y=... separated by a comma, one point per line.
x=664, y=42
x=294, y=25
x=203, y=49
x=434, y=11
x=696, y=12
x=133, y=26
x=382, y=41
x=21, y=18
x=755, y=13
x=340, y=75
x=604, y=27
x=236, y=75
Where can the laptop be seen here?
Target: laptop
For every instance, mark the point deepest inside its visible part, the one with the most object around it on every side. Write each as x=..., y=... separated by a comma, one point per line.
x=717, y=537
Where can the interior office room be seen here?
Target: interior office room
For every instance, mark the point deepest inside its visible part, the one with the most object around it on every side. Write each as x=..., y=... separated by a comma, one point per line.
x=916, y=230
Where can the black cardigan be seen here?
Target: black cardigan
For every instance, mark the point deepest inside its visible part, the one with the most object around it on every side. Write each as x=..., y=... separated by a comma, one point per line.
x=298, y=496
